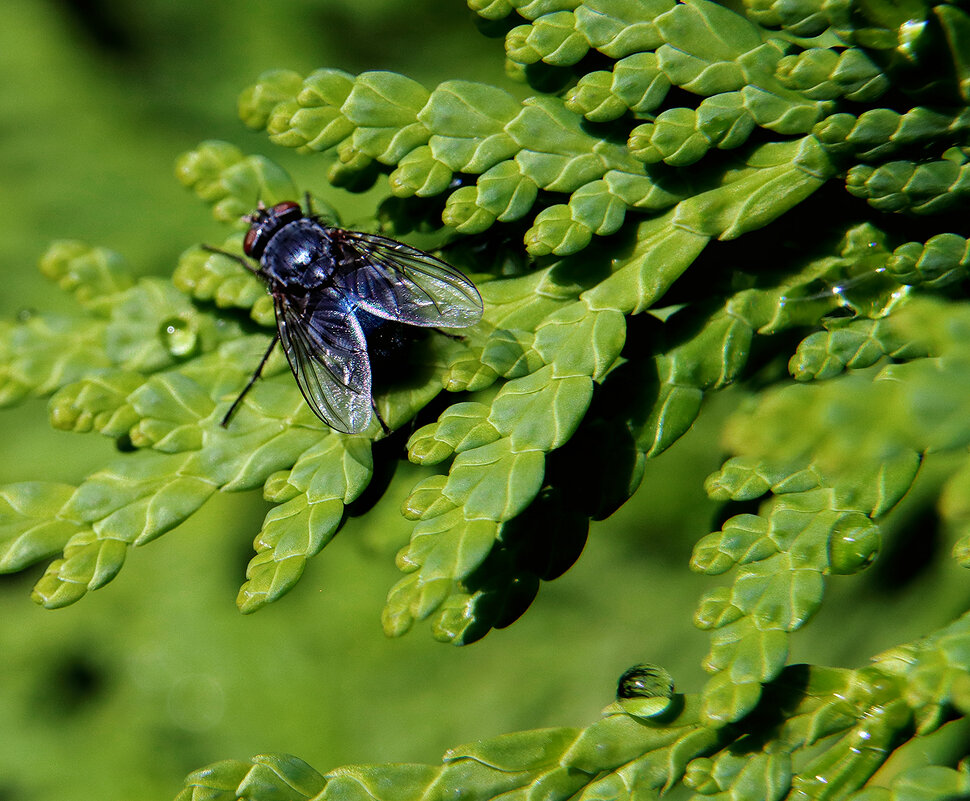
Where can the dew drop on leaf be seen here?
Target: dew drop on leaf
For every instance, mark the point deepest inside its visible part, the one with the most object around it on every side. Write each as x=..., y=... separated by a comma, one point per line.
x=178, y=336
x=645, y=681
x=853, y=544
x=645, y=690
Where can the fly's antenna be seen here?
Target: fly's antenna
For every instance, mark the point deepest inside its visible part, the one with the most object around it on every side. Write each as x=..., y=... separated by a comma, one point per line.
x=253, y=216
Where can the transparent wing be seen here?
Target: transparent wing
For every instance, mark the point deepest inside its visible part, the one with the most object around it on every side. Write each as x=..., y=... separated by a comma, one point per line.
x=397, y=282
x=328, y=355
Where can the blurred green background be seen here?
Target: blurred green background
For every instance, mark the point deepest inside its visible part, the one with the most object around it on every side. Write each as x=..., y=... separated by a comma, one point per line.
x=121, y=695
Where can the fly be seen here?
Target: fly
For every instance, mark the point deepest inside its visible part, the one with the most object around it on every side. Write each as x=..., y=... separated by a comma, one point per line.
x=330, y=287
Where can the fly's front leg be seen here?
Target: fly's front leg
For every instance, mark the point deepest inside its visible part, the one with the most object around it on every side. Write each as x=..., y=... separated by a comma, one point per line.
x=249, y=386
x=328, y=219
x=238, y=259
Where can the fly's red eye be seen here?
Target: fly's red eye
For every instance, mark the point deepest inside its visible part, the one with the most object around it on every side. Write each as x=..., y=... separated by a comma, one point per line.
x=250, y=241
x=285, y=206
x=265, y=223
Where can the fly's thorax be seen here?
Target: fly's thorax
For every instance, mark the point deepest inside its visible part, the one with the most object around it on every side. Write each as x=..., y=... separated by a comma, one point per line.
x=299, y=256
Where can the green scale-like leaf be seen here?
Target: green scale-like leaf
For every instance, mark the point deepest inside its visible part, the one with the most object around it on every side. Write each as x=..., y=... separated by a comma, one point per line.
x=312, y=496
x=843, y=721
x=849, y=344
x=656, y=222
x=220, y=174
x=927, y=188
x=818, y=529
x=486, y=486
x=163, y=379
x=635, y=84
x=826, y=74
x=620, y=751
x=548, y=337
x=516, y=149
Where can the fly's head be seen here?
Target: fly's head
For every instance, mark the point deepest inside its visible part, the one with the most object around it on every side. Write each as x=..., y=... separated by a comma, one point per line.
x=264, y=223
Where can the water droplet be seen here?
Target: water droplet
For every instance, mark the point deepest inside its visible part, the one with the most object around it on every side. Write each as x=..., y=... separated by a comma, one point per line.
x=853, y=544
x=179, y=336
x=643, y=691
x=870, y=293
x=645, y=681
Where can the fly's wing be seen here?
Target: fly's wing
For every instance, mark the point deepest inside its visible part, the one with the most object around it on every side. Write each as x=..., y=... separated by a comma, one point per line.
x=397, y=282
x=327, y=352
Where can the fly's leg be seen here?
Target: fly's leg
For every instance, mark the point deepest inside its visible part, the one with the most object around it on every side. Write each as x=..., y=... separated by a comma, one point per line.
x=380, y=419
x=252, y=380
x=329, y=221
x=233, y=256
x=455, y=337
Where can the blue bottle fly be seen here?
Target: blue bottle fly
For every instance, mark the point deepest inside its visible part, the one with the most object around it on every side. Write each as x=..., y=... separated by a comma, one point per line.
x=329, y=288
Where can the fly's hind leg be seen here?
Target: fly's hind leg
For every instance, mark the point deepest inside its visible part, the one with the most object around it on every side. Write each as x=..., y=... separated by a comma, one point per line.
x=380, y=419
x=455, y=337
